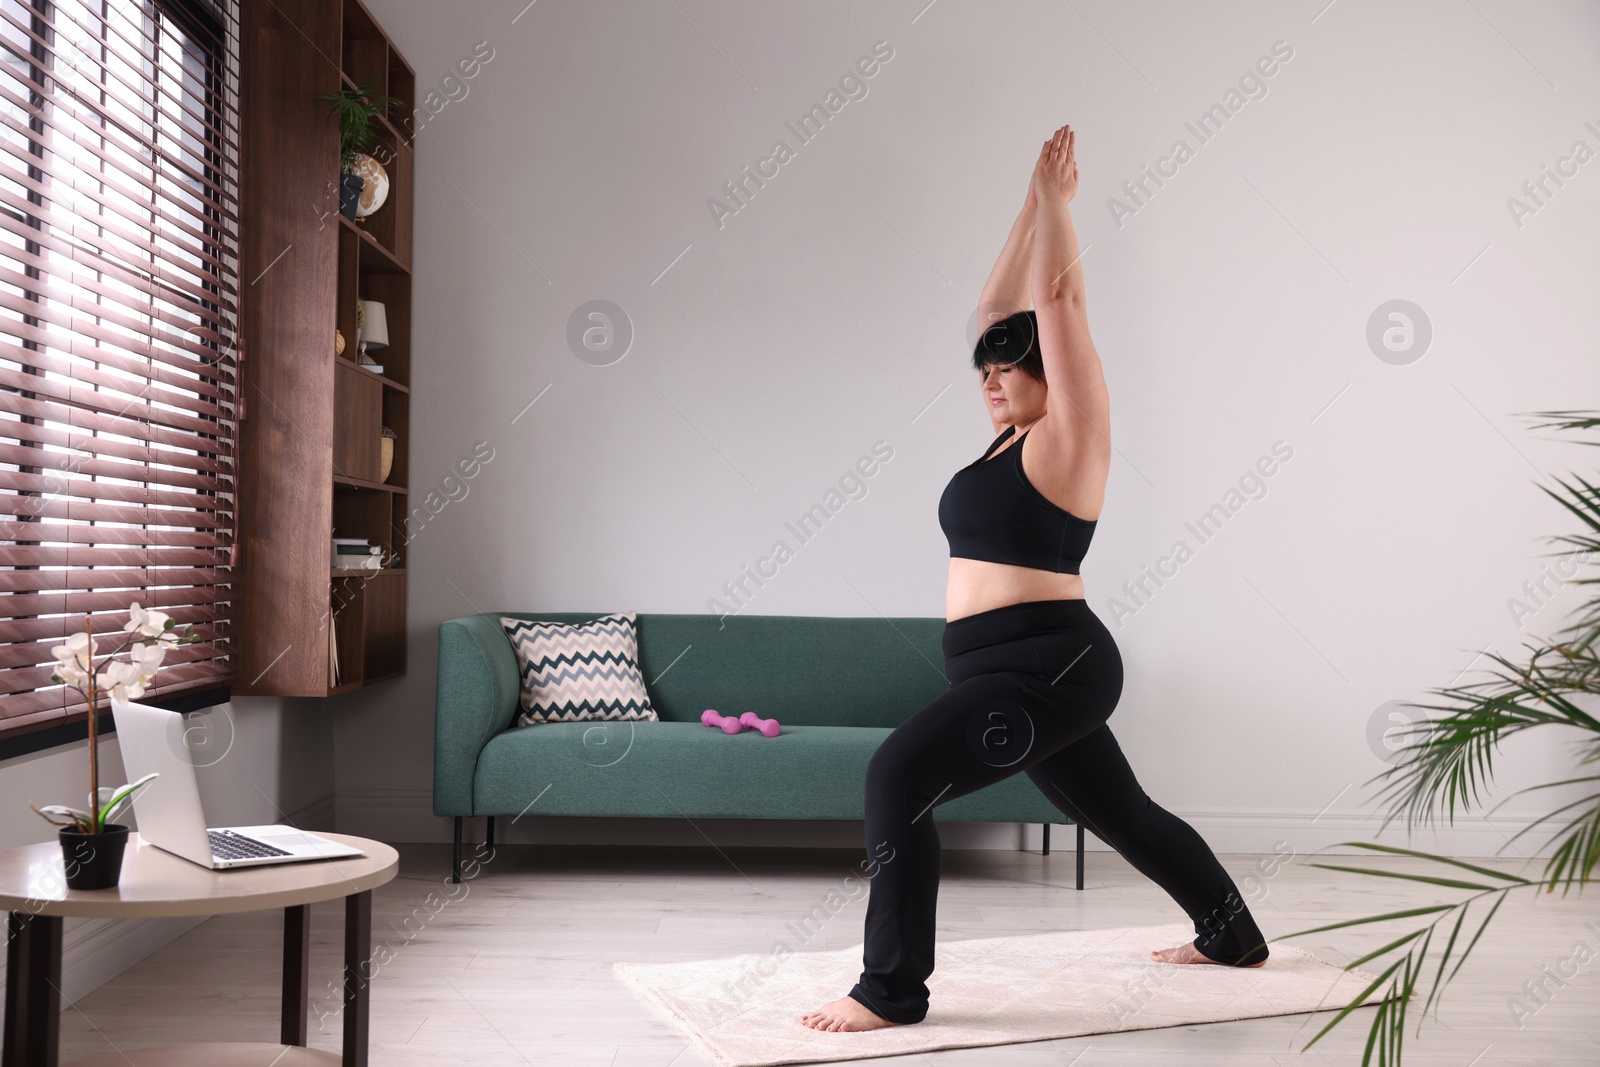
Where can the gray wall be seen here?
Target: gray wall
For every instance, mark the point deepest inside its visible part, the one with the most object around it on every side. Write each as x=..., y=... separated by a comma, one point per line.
x=1230, y=305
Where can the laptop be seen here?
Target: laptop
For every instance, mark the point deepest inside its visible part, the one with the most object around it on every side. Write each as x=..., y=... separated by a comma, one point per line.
x=170, y=816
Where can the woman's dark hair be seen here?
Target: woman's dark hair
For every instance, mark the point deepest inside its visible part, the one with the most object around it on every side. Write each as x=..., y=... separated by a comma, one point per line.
x=1013, y=341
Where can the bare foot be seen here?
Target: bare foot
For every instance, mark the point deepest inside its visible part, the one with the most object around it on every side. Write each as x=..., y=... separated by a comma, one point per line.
x=1187, y=953
x=846, y=1013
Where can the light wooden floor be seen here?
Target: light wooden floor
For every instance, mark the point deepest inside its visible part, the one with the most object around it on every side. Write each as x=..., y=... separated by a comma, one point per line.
x=517, y=970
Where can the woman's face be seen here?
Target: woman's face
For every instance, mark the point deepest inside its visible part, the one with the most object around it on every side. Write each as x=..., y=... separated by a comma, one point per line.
x=1013, y=395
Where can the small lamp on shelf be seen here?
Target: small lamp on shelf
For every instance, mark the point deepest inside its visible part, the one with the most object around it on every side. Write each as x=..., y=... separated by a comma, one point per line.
x=372, y=334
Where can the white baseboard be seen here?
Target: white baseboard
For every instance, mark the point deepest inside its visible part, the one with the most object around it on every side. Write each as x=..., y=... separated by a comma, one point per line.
x=406, y=815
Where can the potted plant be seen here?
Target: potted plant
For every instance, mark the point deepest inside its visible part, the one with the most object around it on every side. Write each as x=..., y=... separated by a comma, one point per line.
x=1446, y=764
x=355, y=109
x=91, y=844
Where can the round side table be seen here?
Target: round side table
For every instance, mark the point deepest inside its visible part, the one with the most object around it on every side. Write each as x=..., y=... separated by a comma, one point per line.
x=33, y=889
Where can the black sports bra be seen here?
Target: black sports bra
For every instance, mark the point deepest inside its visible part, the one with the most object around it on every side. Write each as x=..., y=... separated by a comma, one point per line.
x=990, y=511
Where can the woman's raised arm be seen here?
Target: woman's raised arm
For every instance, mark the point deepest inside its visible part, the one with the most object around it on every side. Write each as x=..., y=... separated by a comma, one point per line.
x=1079, y=405
x=1007, y=290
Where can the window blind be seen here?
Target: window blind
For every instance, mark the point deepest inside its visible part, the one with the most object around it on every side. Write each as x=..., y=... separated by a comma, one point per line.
x=119, y=257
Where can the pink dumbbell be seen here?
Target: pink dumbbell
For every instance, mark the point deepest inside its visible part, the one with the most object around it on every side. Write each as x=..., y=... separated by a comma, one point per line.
x=767, y=727
x=712, y=717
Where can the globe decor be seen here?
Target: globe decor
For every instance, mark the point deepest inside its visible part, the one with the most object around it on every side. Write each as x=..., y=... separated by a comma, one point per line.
x=374, y=185
x=356, y=109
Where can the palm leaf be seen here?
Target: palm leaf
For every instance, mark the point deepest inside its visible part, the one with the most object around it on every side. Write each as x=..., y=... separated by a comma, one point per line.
x=1481, y=928
x=1448, y=883
x=1407, y=914
x=1550, y=785
x=1390, y=947
x=1438, y=986
x=1592, y=797
x=1573, y=861
x=1413, y=972
x=1375, y=847
x=1447, y=764
x=1356, y=1003
x=1377, y=1028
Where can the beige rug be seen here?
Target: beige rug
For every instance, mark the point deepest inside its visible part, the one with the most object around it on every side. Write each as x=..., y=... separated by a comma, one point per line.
x=743, y=1011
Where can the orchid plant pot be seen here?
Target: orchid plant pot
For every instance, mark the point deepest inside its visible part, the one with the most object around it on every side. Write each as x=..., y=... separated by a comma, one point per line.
x=93, y=861
x=350, y=186
x=92, y=844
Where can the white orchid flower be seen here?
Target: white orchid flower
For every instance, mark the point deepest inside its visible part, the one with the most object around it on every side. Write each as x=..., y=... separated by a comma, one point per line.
x=122, y=680
x=80, y=648
x=150, y=624
x=147, y=659
x=75, y=659
x=69, y=673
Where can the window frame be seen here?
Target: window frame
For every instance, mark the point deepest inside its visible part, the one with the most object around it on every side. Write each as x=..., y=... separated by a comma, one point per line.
x=206, y=61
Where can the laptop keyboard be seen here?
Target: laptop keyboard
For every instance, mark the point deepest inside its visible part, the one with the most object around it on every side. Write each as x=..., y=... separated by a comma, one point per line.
x=226, y=845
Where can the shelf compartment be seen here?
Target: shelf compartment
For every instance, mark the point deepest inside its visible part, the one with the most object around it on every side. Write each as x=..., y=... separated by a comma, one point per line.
x=368, y=619
x=347, y=608
x=386, y=225
x=357, y=415
x=402, y=86
x=373, y=257
x=364, y=513
x=384, y=616
x=393, y=291
x=365, y=52
x=349, y=287
x=397, y=416
x=384, y=379
x=342, y=482
x=402, y=528
x=400, y=200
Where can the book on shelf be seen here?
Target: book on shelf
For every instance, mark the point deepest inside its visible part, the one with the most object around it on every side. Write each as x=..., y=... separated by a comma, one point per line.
x=356, y=553
x=333, y=653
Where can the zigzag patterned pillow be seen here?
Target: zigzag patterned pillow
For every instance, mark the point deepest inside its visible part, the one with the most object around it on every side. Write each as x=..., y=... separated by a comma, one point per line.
x=579, y=672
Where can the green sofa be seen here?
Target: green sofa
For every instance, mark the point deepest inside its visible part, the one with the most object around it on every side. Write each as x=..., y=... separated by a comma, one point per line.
x=837, y=685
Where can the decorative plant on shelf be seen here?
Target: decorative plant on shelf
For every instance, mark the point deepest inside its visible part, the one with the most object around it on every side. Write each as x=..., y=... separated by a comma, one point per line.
x=355, y=109
x=81, y=666
x=1447, y=759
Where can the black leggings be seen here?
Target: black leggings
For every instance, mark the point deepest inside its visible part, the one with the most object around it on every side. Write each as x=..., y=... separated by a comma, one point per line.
x=1031, y=688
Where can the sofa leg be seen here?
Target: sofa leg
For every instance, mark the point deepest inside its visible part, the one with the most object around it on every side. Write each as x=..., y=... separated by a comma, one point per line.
x=1080, y=855
x=1046, y=838
x=488, y=837
x=455, y=859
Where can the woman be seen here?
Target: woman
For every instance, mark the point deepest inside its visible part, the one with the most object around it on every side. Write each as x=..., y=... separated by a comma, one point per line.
x=1034, y=673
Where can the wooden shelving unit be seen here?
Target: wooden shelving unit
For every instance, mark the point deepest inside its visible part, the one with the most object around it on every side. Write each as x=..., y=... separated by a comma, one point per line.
x=310, y=440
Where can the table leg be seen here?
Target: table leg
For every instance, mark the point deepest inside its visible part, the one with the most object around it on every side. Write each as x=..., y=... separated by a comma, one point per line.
x=1080, y=855
x=296, y=973
x=33, y=990
x=357, y=976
